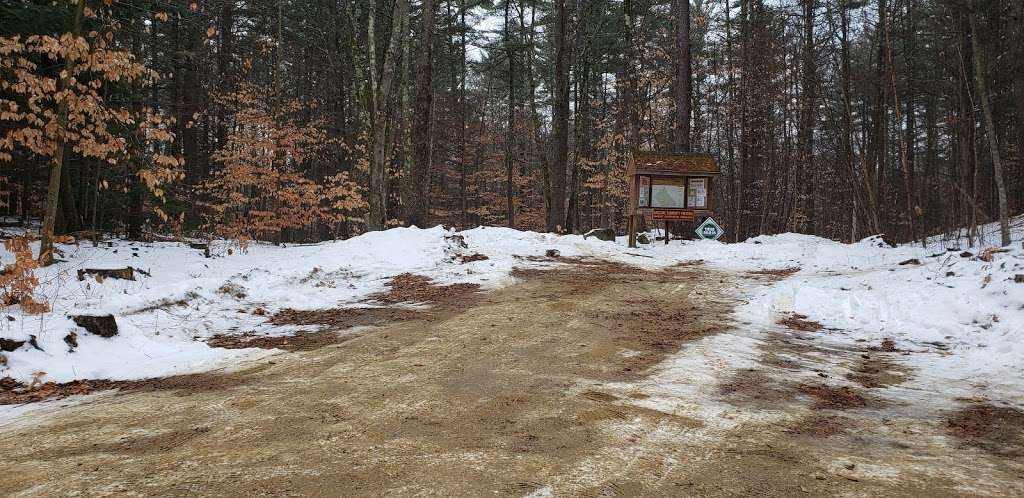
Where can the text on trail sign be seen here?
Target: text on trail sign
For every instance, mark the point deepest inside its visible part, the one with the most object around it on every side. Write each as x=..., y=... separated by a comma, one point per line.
x=710, y=230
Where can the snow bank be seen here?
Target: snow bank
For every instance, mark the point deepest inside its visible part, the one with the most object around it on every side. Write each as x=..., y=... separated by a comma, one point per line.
x=961, y=318
x=165, y=316
x=971, y=307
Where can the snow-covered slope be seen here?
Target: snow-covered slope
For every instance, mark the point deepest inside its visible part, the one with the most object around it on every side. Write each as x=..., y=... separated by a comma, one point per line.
x=963, y=313
x=961, y=316
x=987, y=234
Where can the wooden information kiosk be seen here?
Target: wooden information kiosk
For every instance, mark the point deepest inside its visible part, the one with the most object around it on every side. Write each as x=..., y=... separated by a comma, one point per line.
x=669, y=187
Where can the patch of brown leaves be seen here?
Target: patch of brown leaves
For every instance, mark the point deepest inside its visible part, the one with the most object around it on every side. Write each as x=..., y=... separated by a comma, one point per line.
x=301, y=341
x=585, y=263
x=874, y=372
x=836, y=398
x=688, y=264
x=796, y=321
x=412, y=288
x=989, y=253
x=818, y=426
x=887, y=346
x=13, y=392
x=754, y=387
x=997, y=429
x=469, y=258
x=341, y=318
x=404, y=288
x=776, y=273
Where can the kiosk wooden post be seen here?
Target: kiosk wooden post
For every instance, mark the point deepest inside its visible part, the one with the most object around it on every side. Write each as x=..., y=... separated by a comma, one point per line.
x=631, y=230
x=669, y=187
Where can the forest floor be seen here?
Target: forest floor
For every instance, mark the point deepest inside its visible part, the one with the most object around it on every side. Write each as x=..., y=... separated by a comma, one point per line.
x=589, y=379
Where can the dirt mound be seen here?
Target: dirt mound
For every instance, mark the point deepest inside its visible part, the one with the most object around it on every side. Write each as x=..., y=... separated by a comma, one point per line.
x=412, y=288
x=996, y=429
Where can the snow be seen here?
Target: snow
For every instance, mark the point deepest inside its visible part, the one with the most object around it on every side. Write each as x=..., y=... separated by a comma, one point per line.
x=187, y=297
x=541, y=492
x=961, y=316
x=987, y=235
x=687, y=383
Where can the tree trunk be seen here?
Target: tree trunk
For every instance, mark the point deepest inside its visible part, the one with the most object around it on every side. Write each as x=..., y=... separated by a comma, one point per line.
x=804, y=188
x=1018, y=79
x=560, y=122
x=990, y=128
x=629, y=86
x=57, y=161
x=422, y=136
x=510, y=213
x=911, y=119
x=745, y=166
x=879, y=119
x=381, y=93
x=462, y=115
x=684, y=75
x=904, y=162
x=72, y=216
x=847, y=132
x=537, y=139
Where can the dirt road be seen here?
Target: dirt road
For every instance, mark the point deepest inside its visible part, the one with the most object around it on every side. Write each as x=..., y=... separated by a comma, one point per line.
x=556, y=386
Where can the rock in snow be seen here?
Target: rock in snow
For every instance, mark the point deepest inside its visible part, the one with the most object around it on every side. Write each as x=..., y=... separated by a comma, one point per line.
x=103, y=325
x=605, y=234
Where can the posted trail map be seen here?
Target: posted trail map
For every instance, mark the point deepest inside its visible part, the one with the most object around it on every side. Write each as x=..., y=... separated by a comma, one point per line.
x=668, y=193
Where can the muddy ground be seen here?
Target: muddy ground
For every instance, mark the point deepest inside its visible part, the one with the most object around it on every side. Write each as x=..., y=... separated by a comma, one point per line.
x=537, y=388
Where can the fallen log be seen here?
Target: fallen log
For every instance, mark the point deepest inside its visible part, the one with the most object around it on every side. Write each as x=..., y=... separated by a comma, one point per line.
x=9, y=345
x=127, y=273
x=202, y=247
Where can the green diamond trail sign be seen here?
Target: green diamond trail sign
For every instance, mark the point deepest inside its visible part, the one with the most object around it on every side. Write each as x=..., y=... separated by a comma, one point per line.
x=709, y=230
